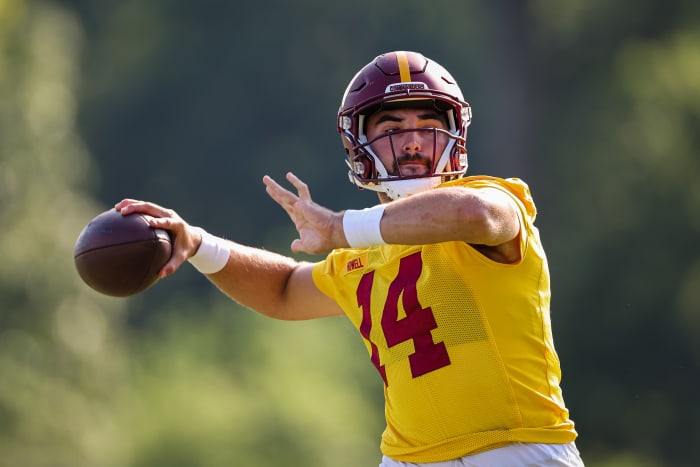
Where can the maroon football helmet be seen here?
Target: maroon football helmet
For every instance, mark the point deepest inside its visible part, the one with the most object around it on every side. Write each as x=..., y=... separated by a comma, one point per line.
x=402, y=77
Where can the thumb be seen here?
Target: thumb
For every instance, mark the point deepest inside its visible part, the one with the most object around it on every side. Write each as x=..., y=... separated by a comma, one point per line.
x=297, y=246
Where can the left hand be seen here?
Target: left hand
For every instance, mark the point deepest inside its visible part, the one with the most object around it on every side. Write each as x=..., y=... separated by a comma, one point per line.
x=320, y=229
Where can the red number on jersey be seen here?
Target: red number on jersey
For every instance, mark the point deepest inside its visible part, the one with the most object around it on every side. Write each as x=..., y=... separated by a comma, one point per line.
x=416, y=326
x=364, y=289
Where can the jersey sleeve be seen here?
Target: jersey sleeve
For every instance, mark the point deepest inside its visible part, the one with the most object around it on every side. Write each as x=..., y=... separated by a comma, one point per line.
x=518, y=190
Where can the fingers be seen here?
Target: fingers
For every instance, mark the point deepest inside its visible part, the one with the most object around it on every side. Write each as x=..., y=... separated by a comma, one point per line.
x=281, y=195
x=124, y=202
x=185, y=238
x=186, y=241
x=271, y=186
x=176, y=260
x=166, y=223
x=130, y=206
x=302, y=188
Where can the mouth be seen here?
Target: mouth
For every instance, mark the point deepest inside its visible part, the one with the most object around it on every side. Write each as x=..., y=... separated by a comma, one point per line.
x=413, y=167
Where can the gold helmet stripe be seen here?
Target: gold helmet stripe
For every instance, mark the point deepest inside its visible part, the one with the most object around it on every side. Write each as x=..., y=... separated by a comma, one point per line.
x=404, y=70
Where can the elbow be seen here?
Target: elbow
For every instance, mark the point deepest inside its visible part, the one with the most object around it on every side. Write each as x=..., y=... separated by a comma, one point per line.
x=484, y=224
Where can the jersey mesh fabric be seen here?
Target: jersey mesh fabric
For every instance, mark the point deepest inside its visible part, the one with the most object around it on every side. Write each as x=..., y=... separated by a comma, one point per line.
x=463, y=343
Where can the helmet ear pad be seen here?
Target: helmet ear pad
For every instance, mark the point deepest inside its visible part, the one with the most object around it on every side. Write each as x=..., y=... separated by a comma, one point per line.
x=458, y=158
x=363, y=166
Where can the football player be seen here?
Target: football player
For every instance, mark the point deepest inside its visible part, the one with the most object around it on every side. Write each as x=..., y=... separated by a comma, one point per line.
x=445, y=278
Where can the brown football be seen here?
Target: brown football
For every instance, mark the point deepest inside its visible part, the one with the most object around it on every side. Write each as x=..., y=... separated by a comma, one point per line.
x=121, y=255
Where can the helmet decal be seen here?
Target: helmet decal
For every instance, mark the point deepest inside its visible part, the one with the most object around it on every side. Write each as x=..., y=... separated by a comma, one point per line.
x=404, y=70
x=410, y=86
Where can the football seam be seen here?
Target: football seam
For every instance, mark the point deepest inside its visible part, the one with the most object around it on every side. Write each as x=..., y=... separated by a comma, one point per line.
x=111, y=245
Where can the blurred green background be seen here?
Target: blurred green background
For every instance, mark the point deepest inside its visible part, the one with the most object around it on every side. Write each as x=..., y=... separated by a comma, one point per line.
x=596, y=104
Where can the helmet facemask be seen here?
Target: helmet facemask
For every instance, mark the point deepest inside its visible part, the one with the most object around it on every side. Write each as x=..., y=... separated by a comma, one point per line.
x=368, y=172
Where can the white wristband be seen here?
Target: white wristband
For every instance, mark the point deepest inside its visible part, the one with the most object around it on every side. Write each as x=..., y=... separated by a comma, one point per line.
x=361, y=227
x=212, y=254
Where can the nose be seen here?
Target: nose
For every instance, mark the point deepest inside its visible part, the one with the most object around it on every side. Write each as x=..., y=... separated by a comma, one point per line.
x=412, y=143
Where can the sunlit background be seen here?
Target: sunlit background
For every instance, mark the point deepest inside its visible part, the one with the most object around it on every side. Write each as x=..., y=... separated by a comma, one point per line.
x=596, y=104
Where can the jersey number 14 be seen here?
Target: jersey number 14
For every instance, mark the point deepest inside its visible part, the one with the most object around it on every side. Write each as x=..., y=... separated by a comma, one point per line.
x=416, y=326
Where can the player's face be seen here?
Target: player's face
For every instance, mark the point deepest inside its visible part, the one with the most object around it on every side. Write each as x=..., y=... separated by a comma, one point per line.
x=407, y=153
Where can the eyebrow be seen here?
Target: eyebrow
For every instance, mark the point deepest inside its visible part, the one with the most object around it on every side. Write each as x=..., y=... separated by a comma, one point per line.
x=388, y=117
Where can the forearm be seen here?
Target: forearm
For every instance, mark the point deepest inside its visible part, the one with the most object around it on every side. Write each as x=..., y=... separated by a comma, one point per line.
x=272, y=284
x=450, y=214
x=255, y=278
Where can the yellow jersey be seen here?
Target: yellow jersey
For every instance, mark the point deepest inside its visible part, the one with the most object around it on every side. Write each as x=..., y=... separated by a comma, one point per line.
x=463, y=344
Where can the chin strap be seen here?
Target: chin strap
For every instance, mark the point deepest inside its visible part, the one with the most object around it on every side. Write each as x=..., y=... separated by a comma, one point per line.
x=397, y=189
